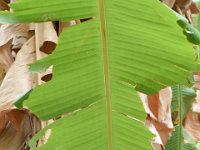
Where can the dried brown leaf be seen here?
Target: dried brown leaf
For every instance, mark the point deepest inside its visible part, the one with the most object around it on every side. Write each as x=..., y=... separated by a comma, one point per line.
x=19, y=127
x=2, y=72
x=194, y=8
x=9, y=31
x=160, y=129
x=18, y=79
x=2, y=121
x=183, y=4
x=159, y=119
x=47, y=37
x=197, y=80
x=196, y=104
x=6, y=58
x=18, y=74
x=192, y=125
x=154, y=103
x=16, y=117
x=169, y=3
x=3, y=5
x=63, y=25
x=183, y=7
x=158, y=105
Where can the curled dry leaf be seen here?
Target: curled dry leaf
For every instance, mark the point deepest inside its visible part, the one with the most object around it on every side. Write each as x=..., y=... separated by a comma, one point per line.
x=192, y=120
x=18, y=41
x=18, y=80
x=192, y=125
x=15, y=117
x=169, y=3
x=181, y=6
x=63, y=25
x=184, y=7
x=145, y=101
x=17, y=127
x=196, y=105
x=158, y=106
x=47, y=37
x=161, y=131
x=156, y=146
x=3, y=5
x=18, y=34
x=6, y=58
x=1, y=72
x=9, y=31
x=19, y=75
x=197, y=80
x=194, y=9
x=159, y=119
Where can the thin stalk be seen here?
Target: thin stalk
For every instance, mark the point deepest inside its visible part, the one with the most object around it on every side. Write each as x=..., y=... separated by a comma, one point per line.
x=180, y=117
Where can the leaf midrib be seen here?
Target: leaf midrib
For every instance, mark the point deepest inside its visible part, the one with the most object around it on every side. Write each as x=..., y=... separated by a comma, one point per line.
x=180, y=142
x=106, y=70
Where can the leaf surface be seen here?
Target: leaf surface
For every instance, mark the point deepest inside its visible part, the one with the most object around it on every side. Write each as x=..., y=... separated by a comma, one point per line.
x=127, y=46
x=182, y=100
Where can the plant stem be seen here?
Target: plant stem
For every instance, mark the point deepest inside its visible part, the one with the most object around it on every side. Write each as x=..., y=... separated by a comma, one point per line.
x=180, y=118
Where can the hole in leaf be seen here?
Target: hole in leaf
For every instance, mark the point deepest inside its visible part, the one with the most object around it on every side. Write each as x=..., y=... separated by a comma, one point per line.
x=47, y=77
x=48, y=47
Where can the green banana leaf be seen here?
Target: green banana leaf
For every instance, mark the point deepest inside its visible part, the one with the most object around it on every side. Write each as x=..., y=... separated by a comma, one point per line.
x=190, y=147
x=174, y=143
x=98, y=66
x=182, y=100
x=192, y=34
x=187, y=97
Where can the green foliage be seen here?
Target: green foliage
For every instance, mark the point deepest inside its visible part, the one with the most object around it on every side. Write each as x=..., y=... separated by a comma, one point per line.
x=175, y=144
x=192, y=33
x=19, y=102
x=187, y=98
x=127, y=46
x=182, y=100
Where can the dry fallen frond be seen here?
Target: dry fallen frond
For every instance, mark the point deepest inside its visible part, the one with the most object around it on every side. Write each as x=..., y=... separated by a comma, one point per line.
x=169, y=3
x=16, y=129
x=183, y=7
x=1, y=72
x=9, y=32
x=19, y=73
x=196, y=105
x=47, y=37
x=15, y=124
x=18, y=80
x=159, y=119
x=3, y=5
x=161, y=130
x=192, y=125
x=6, y=58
